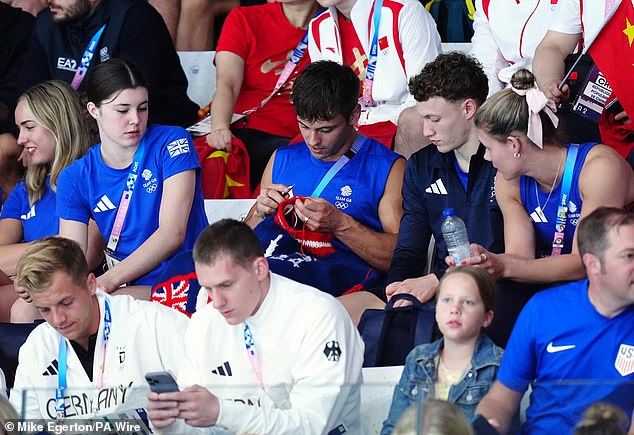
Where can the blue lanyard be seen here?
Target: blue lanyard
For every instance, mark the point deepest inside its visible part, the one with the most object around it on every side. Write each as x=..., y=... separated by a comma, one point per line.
x=107, y=325
x=86, y=59
x=62, y=356
x=340, y=163
x=562, y=211
x=60, y=409
x=122, y=210
x=368, y=82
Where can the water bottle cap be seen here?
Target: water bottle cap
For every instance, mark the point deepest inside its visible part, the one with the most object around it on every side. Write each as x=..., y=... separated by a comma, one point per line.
x=448, y=212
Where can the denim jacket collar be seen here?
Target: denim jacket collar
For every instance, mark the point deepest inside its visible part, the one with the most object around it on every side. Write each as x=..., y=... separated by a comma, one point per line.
x=485, y=354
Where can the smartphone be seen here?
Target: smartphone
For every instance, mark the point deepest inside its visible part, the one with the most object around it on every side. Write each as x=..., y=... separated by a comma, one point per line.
x=161, y=382
x=614, y=107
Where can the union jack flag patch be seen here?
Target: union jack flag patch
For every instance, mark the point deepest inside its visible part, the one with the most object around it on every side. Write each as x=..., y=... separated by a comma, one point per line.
x=178, y=147
x=624, y=363
x=173, y=293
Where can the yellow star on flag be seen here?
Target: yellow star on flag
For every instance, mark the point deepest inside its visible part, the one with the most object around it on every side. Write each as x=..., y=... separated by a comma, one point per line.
x=229, y=182
x=629, y=31
x=219, y=153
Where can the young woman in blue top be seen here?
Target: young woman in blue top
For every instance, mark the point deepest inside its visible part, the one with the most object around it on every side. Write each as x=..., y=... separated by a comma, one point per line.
x=461, y=366
x=518, y=127
x=141, y=184
x=52, y=136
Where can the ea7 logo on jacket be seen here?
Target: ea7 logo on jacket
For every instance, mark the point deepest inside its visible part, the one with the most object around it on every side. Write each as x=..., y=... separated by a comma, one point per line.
x=66, y=63
x=332, y=351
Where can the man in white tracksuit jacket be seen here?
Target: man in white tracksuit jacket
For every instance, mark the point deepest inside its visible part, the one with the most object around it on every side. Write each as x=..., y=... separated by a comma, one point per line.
x=267, y=356
x=110, y=341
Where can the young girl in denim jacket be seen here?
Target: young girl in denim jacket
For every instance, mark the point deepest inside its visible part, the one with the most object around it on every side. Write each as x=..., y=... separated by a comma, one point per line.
x=461, y=366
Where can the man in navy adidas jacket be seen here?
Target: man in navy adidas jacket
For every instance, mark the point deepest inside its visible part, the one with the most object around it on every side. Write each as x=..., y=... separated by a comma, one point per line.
x=450, y=173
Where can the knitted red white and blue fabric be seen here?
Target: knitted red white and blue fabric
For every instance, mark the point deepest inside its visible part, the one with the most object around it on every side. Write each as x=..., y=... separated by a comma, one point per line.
x=315, y=243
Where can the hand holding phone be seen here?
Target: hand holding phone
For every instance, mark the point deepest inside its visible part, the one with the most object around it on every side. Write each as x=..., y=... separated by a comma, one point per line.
x=161, y=382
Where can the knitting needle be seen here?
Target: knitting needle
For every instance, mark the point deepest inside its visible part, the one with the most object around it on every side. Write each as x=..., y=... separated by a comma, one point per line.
x=288, y=191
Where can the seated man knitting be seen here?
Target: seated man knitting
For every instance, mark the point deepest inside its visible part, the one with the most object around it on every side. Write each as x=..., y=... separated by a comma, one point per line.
x=329, y=208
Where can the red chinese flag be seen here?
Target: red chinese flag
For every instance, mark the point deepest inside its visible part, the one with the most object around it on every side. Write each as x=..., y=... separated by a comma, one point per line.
x=383, y=43
x=613, y=53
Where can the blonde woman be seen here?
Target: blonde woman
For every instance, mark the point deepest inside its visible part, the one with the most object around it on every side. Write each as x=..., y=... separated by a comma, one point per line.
x=52, y=137
x=543, y=186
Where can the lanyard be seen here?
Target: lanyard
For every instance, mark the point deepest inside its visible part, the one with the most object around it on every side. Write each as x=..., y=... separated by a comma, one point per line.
x=340, y=163
x=562, y=211
x=290, y=66
x=107, y=324
x=80, y=73
x=254, y=359
x=60, y=409
x=609, y=4
x=368, y=82
x=113, y=240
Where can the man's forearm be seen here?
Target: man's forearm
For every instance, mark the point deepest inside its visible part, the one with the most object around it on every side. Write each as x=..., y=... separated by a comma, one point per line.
x=549, y=69
x=550, y=56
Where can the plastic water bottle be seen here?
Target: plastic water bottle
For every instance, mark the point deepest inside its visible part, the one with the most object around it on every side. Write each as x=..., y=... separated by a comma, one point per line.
x=455, y=234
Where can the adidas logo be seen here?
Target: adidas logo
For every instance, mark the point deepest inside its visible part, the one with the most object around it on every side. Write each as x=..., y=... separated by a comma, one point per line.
x=223, y=370
x=51, y=370
x=29, y=215
x=104, y=204
x=538, y=216
x=437, y=187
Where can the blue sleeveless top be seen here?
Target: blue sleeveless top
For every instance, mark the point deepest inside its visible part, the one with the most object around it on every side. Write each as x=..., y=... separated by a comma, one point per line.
x=356, y=189
x=544, y=223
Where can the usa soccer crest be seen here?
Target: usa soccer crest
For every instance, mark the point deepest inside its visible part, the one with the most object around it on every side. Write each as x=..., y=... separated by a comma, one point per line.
x=624, y=363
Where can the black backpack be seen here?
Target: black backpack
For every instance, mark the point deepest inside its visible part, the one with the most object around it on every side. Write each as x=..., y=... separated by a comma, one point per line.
x=390, y=334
